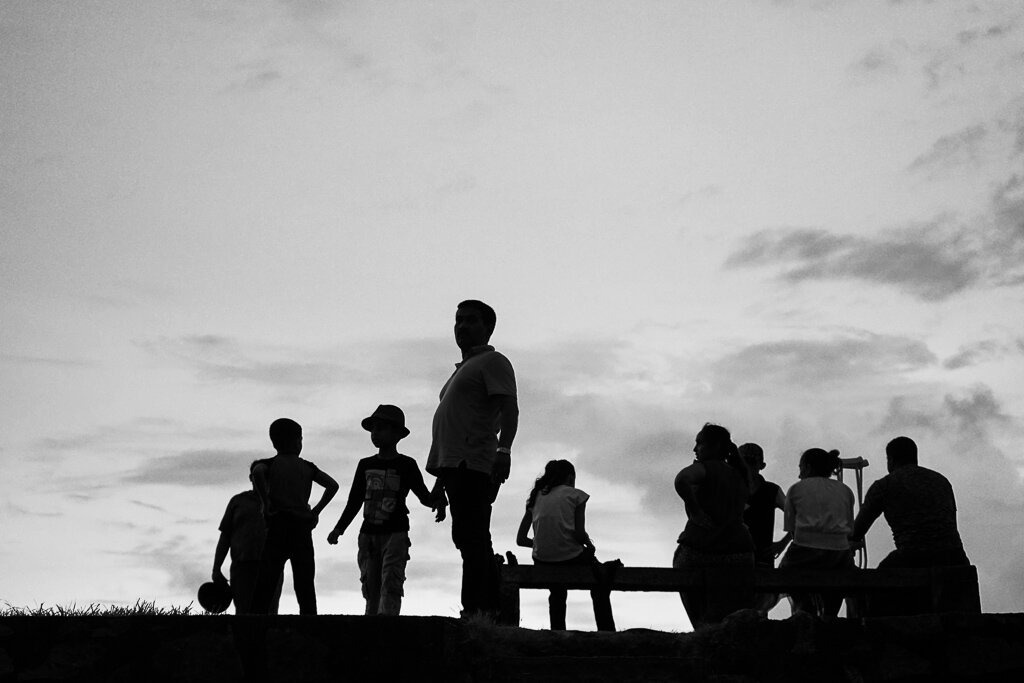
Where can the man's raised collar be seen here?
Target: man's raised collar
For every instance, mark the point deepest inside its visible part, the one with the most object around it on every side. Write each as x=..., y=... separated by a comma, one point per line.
x=475, y=351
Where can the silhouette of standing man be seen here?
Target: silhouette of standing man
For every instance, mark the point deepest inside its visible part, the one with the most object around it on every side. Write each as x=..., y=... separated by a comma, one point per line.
x=471, y=450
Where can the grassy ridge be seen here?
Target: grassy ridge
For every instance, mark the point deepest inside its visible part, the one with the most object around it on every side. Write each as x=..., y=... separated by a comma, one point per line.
x=140, y=608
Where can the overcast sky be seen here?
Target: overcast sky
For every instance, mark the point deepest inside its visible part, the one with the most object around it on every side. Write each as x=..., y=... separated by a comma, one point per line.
x=801, y=219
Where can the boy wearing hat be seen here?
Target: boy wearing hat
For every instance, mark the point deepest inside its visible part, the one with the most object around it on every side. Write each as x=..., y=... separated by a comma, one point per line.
x=380, y=485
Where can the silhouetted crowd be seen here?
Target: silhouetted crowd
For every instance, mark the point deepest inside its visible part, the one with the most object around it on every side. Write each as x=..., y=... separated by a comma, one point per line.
x=730, y=507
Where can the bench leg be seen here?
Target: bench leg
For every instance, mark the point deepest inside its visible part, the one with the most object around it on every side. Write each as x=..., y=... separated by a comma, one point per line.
x=508, y=603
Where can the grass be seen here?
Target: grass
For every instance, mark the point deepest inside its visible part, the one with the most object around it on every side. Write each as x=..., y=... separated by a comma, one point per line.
x=141, y=608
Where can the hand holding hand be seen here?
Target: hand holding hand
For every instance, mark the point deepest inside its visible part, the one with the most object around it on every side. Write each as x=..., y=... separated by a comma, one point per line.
x=440, y=511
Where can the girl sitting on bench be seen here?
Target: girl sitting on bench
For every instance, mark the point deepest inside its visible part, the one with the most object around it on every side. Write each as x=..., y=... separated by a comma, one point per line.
x=556, y=511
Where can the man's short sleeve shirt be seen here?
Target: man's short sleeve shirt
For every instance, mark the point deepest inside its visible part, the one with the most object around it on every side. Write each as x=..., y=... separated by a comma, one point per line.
x=467, y=419
x=919, y=506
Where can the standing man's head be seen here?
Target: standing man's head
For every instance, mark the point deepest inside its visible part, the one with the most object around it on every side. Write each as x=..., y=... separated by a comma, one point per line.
x=286, y=435
x=474, y=323
x=899, y=452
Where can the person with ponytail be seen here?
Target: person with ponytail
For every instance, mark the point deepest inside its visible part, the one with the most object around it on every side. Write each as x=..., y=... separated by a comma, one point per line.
x=819, y=514
x=714, y=490
x=556, y=511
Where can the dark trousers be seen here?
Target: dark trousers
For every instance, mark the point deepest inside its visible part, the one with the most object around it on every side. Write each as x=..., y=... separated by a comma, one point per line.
x=820, y=604
x=288, y=540
x=471, y=495
x=907, y=603
x=243, y=585
x=600, y=598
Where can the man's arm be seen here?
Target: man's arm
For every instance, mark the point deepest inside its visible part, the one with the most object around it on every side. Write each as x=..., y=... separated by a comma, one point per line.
x=438, y=500
x=870, y=510
x=429, y=498
x=223, y=545
x=686, y=480
x=508, y=425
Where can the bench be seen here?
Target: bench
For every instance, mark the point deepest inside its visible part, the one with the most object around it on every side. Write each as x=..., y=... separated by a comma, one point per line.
x=935, y=589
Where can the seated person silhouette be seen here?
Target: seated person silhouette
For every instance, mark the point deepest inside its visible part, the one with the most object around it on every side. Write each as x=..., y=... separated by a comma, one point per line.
x=919, y=506
x=556, y=512
x=819, y=514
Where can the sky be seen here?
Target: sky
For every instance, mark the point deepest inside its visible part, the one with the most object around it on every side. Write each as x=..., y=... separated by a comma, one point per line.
x=803, y=220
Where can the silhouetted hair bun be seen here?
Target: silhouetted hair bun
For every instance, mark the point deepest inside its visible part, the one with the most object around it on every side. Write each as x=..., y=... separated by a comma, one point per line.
x=821, y=463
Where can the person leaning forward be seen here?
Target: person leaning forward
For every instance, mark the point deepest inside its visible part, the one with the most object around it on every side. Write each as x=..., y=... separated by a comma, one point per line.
x=470, y=451
x=920, y=508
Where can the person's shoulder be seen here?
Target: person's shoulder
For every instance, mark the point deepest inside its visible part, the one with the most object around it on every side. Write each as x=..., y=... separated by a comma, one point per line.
x=494, y=357
x=241, y=498
x=309, y=464
x=579, y=494
x=408, y=461
x=798, y=486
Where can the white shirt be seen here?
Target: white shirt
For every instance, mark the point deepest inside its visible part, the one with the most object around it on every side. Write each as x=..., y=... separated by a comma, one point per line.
x=554, y=523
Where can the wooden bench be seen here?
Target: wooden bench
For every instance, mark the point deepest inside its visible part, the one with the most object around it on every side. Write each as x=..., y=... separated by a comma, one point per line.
x=936, y=589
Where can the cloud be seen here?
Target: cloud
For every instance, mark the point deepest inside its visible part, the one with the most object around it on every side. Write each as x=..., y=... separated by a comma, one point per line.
x=931, y=261
x=880, y=61
x=996, y=31
x=973, y=414
x=956, y=149
x=254, y=77
x=50, y=361
x=980, y=352
x=196, y=468
x=805, y=364
x=216, y=358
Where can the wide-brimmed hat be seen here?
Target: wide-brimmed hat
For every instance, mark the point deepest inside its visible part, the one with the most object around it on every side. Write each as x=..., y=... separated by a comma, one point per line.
x=387, y=413
x=215, y=596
